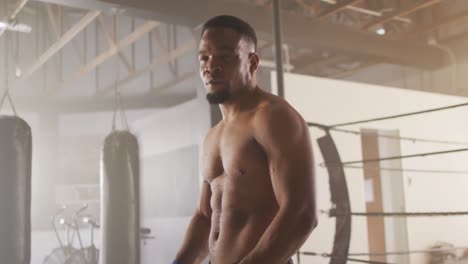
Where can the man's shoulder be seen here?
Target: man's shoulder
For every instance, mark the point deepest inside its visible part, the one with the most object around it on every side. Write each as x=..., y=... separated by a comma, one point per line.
x=277, y=121
x=275, y=109
x=212, y=133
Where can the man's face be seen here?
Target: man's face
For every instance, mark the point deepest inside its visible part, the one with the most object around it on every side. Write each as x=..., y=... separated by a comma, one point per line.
x=225, y=66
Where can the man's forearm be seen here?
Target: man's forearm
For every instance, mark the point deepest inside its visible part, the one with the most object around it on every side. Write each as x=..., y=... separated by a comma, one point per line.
x=283, y=237
x=195, y=246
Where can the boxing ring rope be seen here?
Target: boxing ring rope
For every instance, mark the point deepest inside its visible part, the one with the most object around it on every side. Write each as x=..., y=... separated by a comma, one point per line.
x=345, y=258
x=426, y=154
x=335, y=213
x=341, y=209
x=400, y=115
x=390, y=253
x=461, y=172
x=411, y=139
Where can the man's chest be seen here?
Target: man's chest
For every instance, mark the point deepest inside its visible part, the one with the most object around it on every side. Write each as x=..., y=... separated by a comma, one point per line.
x=233, y=150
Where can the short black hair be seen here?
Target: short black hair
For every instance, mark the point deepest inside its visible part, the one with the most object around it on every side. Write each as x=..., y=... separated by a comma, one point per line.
x=227, y=21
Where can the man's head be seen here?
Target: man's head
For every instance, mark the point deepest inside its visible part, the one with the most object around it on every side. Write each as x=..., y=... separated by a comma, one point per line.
x=228, y=61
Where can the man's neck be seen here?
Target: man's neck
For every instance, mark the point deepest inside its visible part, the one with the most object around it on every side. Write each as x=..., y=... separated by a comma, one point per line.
x=241, y=102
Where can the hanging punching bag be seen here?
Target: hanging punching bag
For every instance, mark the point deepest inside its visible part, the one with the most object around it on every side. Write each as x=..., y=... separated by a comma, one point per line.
x=120, y=218
x=15, y=190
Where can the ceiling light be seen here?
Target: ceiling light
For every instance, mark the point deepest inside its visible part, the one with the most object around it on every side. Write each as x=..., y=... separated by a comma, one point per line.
x=380, y=31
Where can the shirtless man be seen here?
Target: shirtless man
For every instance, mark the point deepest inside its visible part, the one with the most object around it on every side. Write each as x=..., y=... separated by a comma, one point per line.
x=257, y=202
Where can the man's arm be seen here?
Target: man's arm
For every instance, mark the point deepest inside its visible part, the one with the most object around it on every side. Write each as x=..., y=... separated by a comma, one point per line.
x=285, y=138
x=195, y=246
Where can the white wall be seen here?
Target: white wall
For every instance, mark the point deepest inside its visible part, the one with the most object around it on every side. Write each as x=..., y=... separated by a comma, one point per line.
x=174, y=128
x=331, y=101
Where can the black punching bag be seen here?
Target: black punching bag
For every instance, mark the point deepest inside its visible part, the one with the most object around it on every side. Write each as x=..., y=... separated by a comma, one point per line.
x=15, y=190
x=120, y=216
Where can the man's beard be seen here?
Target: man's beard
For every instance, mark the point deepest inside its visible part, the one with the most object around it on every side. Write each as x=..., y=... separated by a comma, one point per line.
x=218, y=97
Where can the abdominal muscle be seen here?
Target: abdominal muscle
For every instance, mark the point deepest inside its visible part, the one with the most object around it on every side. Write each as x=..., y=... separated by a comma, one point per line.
x=238, y=221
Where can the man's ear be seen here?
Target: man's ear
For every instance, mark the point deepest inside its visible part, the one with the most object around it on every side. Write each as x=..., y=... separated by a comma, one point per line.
x=254, y=61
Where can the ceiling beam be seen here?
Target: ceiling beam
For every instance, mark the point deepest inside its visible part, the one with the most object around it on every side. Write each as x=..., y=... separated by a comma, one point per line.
x=156, y=62
x=56, y=29
x=368, y=11
x=123, y=43
x=18, y=9
x=156, y=37
x=59, y=44
x=105, y=8
x=444, y=21
x=409, y=9
x=109, y=8
x=406, y=10
x=82, y=4
x=337, y=8
x=111, y=41
x=302, y=32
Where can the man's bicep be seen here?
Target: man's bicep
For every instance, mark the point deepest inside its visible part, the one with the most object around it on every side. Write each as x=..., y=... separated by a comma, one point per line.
x=291, y=172
x=286, y=141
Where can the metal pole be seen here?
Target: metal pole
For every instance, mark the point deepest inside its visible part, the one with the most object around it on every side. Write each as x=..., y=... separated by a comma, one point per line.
x=278, y=47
